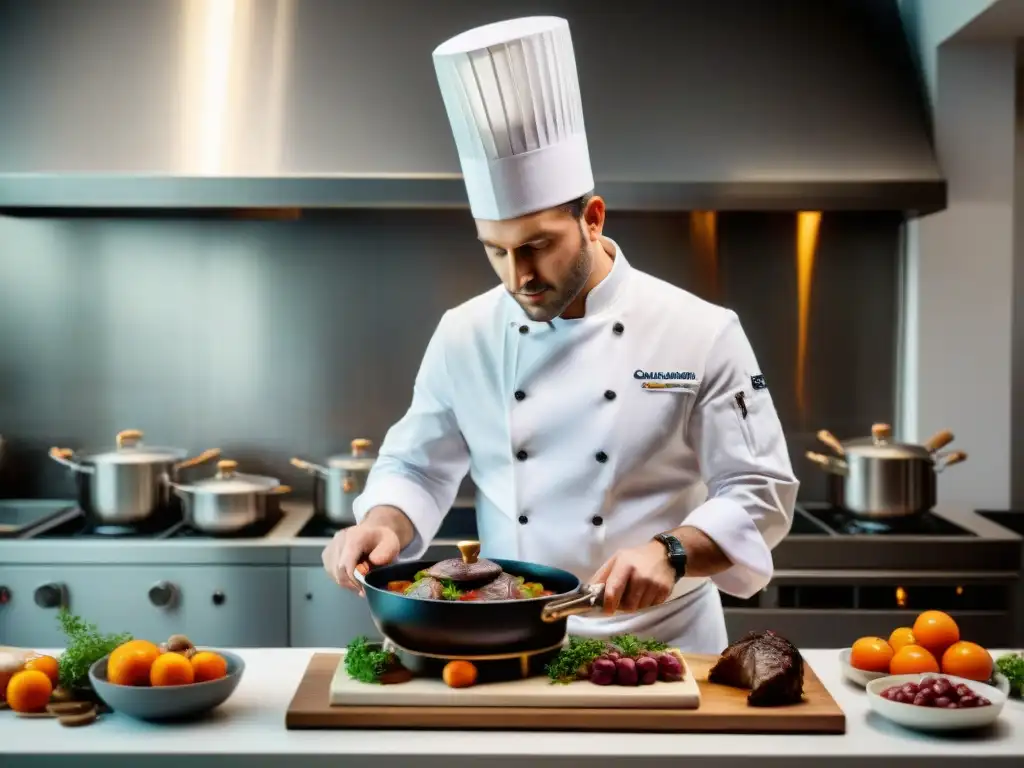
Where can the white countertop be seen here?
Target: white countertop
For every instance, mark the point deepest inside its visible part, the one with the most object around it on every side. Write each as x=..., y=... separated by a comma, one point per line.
x=249, y=730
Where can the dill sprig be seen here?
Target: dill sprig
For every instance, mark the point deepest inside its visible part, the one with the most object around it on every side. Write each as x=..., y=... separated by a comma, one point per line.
x=85, y=646
x=365, y=663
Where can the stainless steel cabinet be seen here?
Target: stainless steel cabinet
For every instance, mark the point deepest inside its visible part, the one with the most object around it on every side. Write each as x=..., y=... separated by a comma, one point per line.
x=226, y=606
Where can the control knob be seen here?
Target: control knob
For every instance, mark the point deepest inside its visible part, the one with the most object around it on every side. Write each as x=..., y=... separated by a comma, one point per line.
x=53, y=595
x=162, y=594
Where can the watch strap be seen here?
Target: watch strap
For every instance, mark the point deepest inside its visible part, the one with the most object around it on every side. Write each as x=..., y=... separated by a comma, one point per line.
x=675, y=551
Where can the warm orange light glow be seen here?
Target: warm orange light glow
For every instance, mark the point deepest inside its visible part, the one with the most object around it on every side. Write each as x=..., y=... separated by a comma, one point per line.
x=901, y=597
x=807, y=224
x=704, y=239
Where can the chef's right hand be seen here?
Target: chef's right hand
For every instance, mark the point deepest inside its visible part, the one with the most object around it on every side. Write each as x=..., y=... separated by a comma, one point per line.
x=350, y=547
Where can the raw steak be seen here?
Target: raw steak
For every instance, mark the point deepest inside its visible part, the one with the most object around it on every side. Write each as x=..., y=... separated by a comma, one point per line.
x=766, y=663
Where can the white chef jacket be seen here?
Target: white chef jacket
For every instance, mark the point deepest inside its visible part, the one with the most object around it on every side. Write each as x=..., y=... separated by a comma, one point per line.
x=574, y=459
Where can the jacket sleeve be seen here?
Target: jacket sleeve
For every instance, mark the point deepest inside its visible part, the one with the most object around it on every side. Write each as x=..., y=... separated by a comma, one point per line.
x=736, y=434
x=423, y=457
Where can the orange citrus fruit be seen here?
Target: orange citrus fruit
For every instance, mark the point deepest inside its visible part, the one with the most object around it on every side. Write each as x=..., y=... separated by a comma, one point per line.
x=968, y=660
x=47, y=665
x=208, y=665
x=936, y=631
x=29, y=691
x=130, y=662
x=459, y=674
x=902, y=636
x=913, y=660
x=871, y=654
x=171, y=669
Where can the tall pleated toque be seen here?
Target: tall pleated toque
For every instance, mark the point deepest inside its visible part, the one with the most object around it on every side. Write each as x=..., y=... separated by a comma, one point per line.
x=513, y=100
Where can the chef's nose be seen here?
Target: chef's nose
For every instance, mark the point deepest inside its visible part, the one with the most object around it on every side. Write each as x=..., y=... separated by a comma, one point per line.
x=520, y=271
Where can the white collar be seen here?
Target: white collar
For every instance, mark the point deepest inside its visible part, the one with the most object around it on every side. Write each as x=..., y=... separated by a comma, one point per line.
x=601, y=297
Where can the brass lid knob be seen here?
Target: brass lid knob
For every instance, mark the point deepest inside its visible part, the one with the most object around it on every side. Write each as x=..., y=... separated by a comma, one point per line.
x=470, y=551
x=360, y=445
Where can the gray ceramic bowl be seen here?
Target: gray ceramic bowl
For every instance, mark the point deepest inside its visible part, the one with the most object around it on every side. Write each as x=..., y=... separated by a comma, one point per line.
x=173, y=702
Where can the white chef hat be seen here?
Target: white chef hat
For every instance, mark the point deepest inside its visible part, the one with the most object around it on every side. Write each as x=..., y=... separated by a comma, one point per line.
x=513, y=101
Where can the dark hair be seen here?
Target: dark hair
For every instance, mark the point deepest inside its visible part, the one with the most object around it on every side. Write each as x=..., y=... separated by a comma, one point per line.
x=576, y=207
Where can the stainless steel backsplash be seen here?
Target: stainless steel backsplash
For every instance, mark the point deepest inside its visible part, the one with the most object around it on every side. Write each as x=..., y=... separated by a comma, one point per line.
x=271, y=339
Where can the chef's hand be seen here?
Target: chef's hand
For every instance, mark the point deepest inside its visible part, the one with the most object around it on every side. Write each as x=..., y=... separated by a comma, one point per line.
x=636, y=578
x=350, y=547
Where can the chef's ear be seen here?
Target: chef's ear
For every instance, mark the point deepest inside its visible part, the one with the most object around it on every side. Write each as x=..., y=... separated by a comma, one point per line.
x=593, y=216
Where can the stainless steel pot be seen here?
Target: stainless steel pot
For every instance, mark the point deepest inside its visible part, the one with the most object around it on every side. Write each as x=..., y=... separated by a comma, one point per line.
x=228, y=501
x=876, y=477
x=337, y=485
x=126, y=485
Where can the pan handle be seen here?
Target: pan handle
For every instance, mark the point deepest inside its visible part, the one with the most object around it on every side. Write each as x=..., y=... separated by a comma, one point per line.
x=585, y=600
x=948, y=459
x=828, y=463
x=938, y=440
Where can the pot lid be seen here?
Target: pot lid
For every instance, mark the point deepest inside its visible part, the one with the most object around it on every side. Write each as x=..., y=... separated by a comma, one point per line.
x=227, y=480
x=131, y=450
x=880, y=446
x=362, y=456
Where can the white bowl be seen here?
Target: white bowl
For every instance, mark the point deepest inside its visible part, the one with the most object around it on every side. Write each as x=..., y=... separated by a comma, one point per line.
x=930, y=718
x=854, y=675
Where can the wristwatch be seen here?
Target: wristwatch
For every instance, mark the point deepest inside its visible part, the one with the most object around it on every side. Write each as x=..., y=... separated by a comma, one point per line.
x=676, y=554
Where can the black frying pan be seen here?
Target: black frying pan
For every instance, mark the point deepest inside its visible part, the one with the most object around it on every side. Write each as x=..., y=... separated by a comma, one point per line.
x=451, y=628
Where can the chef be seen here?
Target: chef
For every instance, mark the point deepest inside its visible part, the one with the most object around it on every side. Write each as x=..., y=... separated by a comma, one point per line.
x=614, y=425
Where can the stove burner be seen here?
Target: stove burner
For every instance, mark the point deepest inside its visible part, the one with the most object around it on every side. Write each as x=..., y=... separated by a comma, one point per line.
x=163, y=526
x=319, y=527
x=848, y=524
x=496, y=668
x=81, y=526
x=255, y=531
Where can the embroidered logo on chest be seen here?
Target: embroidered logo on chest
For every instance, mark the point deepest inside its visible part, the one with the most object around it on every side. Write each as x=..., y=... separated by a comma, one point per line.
x=665, y=379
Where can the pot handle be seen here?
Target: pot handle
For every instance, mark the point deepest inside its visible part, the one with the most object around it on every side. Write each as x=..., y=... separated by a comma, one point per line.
x=830, y=440
x=947, y=459
x=828, y=463
x=586, y=599
x=279, y=490
x=63, y=456
x=308, y=466
x=938, y=440
x=195, y=461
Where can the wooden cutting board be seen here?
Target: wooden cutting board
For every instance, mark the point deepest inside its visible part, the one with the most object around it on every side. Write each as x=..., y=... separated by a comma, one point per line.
x=531, y=692
x=722, y=710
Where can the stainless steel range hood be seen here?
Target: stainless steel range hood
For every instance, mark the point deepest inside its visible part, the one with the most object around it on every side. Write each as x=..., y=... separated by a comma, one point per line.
x=227, y=104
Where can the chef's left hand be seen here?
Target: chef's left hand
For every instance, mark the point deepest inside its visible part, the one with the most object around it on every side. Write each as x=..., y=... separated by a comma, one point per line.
x=636, y=578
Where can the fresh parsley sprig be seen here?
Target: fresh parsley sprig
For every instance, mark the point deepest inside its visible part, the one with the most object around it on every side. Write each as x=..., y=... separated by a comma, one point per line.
x=581, y=652
x=1012, y=665
x=577, y=655
x=85, y=646
x=365, y=663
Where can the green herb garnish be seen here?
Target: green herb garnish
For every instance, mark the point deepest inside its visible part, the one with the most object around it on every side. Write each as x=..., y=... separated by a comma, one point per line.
x=633, y=646
x=85, y=647
x=574, y=660
x=1012, y=665
x=365, y=663
x=576, y=656
x=449, y=590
